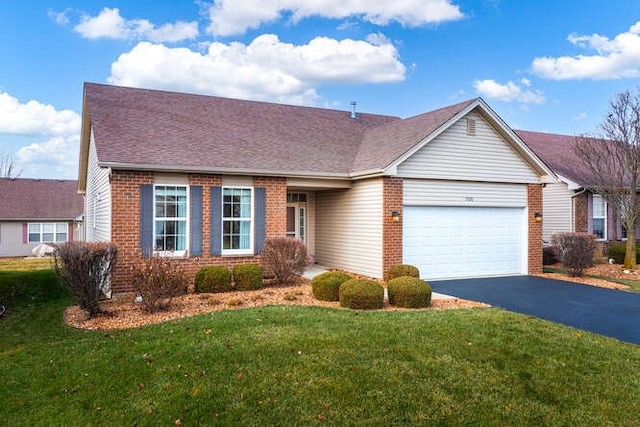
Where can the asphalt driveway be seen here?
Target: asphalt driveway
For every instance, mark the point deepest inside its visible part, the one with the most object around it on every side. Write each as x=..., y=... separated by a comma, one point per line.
x=607, y=312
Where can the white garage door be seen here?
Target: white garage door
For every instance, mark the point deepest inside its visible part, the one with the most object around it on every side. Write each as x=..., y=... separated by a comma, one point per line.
x=459, y=242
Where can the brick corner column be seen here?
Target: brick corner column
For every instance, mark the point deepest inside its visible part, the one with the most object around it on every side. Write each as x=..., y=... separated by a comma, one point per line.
x=391, y=230
x=534, y=202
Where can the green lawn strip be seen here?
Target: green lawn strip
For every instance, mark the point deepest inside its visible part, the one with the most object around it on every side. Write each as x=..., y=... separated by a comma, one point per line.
x=634, y=285
x=305, y=365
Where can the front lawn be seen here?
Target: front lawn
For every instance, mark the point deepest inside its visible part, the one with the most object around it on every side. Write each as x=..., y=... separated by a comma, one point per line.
x=289, y=365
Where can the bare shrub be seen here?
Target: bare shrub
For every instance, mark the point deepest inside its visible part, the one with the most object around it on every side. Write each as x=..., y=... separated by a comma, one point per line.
x=284, y=257
x=85, y=269
x=576, y=251
x=158, y=280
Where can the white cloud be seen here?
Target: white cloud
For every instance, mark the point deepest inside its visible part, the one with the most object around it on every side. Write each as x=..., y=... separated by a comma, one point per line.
x=109, y=24
x=265, y=69
x=231, y=17
x=580, y=116
x=56, y=157
x=508, y=92
x=615, y=58
x=34, y=118
x=53, y=137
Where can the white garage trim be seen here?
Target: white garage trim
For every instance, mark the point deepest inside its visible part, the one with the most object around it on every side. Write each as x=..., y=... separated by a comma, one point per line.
x=447, y=242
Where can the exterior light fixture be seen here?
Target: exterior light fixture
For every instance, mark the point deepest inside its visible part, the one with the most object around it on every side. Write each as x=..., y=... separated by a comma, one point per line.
x=395, y=216
x=537, y=217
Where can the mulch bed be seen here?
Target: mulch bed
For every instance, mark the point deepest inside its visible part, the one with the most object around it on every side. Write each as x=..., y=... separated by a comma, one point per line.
x=124, y=312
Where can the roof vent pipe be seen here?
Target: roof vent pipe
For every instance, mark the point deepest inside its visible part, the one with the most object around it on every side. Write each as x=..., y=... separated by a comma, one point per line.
x=353, y=109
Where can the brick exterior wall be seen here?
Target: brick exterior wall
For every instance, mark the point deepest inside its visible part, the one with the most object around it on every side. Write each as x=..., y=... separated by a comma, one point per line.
x=125, y=226
x=391, y=231
x=534, y=202
x=581, y=213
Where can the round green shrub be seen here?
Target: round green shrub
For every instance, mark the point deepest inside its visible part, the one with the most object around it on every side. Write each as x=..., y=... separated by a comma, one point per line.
x=409, y=292
x=213, y=279
x=361, y=294
x=248, y=277
x=401, y=270
x=326, y=286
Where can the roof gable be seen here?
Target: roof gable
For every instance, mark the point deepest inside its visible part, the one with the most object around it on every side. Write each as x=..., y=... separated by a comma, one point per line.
x=40, y=199
x=455, y=154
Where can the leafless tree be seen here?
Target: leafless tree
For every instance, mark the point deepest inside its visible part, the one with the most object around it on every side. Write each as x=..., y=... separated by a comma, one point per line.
x=610, y=161
x=8, y=167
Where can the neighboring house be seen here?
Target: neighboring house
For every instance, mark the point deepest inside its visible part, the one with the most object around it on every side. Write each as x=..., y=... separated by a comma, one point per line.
x=205, y=179
x=34, y=211
x=568, y=205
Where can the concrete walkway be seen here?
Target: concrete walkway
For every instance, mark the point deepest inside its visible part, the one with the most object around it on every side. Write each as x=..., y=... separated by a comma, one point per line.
x=603, y=311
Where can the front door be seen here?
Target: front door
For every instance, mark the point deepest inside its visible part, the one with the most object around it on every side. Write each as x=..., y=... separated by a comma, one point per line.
x=296, y=221
x=297, y=215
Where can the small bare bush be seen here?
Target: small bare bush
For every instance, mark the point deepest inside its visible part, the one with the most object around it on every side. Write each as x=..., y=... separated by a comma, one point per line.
x=576, y=251
x=85, y=269
x=158, y=280
x=284, y=257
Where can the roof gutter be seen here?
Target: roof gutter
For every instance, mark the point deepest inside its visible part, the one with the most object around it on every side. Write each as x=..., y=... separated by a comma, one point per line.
x=222, y=171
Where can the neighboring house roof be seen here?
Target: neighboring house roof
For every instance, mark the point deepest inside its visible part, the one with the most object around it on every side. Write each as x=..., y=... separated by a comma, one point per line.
x=40, y=199
x=557, y=152
x=143, y=129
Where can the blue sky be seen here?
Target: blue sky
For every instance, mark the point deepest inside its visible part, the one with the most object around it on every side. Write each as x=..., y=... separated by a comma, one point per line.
x=546, y=65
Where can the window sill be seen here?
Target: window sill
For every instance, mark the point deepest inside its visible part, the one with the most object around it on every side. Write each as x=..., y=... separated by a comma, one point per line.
x=238, y=254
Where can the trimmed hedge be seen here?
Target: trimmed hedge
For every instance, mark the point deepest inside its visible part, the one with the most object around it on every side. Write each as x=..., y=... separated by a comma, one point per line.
x=213, y=279
x=618, y=252
x=248, y=277
x=409, y=292
x=326, y=286
x=402, y=270
x=361, y=294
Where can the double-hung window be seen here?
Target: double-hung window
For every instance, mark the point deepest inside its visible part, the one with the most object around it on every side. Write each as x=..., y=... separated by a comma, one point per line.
x=237, y=220
x=170, y=219
x=48, y=232
x=599, y=217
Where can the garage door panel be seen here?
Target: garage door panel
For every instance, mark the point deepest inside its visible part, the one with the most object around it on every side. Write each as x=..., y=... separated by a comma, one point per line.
x=453, y=242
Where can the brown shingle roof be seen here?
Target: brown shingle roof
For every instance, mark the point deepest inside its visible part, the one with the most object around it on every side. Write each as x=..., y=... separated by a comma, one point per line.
x=40, y=199
x=557, y=152
x=196, y=132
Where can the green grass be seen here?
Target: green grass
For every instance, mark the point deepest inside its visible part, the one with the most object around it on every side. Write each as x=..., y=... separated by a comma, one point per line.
x=308, y=365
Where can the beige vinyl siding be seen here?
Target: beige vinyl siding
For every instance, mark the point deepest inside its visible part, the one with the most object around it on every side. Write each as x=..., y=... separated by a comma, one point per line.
x=454, y=155
x=311, y=222
x=348, y=228
x=97, y=222
x=557, y=210
x=455, y=193
x=11, y=240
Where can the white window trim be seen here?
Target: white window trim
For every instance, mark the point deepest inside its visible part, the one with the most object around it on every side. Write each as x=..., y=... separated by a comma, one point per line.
x=55, y=232
x=168, y=254
x=236, y=252
x=605, y=209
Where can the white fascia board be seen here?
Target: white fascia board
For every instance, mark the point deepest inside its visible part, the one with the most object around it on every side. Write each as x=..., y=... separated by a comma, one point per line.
x=573, y=186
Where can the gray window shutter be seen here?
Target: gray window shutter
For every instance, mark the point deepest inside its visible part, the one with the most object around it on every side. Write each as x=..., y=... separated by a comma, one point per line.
x=260, y=230
x=195, y=223
x=146, y=219
x=216, y=221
